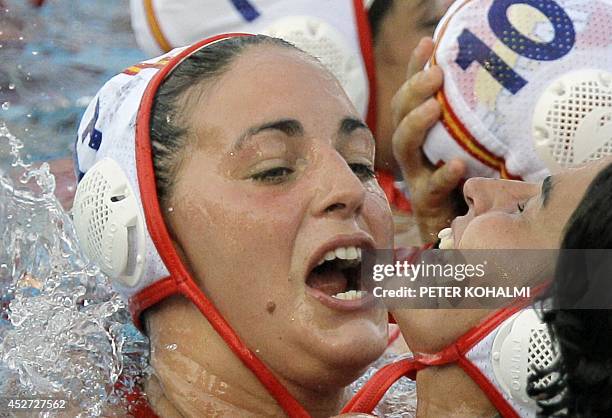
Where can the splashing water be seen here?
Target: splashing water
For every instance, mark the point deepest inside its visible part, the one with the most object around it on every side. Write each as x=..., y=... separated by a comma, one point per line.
x=64, y=333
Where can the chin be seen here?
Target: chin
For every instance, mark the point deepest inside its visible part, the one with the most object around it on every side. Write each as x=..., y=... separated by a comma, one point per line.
x=343, y=354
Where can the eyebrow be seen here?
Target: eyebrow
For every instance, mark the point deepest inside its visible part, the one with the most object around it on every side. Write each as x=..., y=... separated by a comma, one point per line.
x=293, y=128
x=547, y=187
x=349, y=125
x=289, y=127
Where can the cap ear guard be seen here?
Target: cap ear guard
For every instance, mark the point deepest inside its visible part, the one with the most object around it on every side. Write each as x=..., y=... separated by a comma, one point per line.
x=521, y=348
x=572, y=122
x=109, y=223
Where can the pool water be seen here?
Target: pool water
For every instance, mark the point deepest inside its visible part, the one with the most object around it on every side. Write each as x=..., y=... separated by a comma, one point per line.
x=63, y=330
x=54, y=59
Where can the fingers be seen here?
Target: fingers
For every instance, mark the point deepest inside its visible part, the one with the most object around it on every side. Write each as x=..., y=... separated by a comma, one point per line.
x=409, y=136
x=420, y=55
x=444, y=180
x=421, y=87
x=415, y=91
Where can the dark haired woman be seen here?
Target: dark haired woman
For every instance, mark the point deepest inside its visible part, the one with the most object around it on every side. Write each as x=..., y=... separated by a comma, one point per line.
x=579, y=312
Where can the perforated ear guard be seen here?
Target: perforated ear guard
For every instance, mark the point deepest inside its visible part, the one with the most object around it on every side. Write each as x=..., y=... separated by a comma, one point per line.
x=572, y=123
x=521, y=347
x=109, y=223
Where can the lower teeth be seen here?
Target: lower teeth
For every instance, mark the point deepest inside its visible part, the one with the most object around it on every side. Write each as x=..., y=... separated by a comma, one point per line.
x=350, y=295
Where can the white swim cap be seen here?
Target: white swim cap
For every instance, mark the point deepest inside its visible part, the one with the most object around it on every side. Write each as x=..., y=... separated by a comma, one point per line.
x=334, y=31
x=527, y=86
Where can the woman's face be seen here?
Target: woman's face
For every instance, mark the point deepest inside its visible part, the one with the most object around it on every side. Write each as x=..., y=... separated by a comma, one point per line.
x=517, y=215
x=278, y=175
x=502, y=215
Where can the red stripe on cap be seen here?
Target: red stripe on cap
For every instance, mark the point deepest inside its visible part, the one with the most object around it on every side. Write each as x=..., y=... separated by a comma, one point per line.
x=367, y=53
x=181, y=281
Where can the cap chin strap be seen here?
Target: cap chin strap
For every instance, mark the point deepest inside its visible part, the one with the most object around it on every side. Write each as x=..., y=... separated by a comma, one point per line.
x=373, y=391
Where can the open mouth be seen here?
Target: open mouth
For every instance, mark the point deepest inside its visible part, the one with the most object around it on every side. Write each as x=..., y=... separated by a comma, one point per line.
x=338, y=274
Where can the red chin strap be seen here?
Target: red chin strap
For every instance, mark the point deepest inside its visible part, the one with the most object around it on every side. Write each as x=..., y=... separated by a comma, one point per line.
x=372, y=392
x=385, y=178
x=366, y=43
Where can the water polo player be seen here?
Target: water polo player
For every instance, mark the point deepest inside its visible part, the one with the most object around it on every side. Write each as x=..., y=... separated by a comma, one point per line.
x=234, y=179
x=502, y=214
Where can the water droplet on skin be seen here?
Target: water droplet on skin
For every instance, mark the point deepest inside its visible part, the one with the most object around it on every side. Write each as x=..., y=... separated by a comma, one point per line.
x=6, y=105
x=257, y=351
x=170, y=209
x=171, y=347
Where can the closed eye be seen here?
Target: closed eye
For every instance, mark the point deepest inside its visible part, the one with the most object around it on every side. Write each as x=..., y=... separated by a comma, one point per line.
x=274, y=175
x=365, y=172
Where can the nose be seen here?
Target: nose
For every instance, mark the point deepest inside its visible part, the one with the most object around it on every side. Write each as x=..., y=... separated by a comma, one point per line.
x=340, y=193
x=483, y=195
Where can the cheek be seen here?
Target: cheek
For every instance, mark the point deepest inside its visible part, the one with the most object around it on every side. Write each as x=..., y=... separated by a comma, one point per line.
x=378, y=217
x=238, y=244
x=498, y=231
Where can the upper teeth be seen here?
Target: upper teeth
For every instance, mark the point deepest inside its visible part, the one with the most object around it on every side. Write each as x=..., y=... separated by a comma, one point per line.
x=447, y=242
x=343, y=253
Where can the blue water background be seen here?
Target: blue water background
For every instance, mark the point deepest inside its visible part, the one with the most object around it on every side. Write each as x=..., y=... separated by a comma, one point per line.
x=52, y=61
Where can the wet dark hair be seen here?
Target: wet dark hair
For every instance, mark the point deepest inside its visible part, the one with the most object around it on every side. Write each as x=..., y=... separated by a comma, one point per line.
x=167, y=129
x=580, y=382
x=376, y=15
